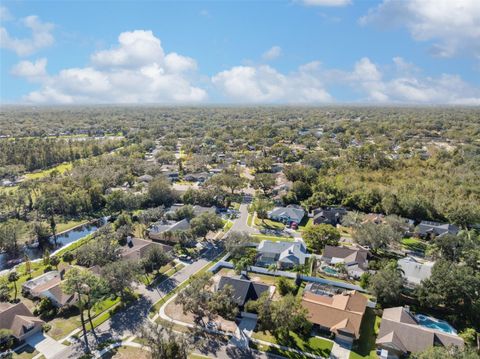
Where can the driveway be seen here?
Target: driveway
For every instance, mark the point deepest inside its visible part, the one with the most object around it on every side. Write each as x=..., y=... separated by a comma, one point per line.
x=243, y=333
x=240, y=224
x=45, y=345
x=340, y=350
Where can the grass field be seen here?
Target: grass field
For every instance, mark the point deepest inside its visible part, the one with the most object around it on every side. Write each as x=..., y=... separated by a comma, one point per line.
x=414, y=244
x=268, y=224
x=261, y=237
x=313, y=345
x=40, y=174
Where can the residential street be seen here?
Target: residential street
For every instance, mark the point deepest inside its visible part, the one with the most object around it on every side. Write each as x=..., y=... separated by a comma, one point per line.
x=128, y=322
x=240, y=224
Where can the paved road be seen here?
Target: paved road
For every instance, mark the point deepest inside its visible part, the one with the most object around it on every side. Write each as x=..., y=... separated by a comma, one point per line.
x=240, y=224
x=128, y=322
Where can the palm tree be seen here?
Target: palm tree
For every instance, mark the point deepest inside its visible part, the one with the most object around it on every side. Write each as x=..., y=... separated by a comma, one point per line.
x=273, y=267
x=12, y=278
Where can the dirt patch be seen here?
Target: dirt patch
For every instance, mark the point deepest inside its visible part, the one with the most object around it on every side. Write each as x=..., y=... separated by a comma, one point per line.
x=175, y=311
x=127, y=353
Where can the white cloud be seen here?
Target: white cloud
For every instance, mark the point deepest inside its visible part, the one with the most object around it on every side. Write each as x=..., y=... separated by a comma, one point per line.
x=136, y=48
x=5, y=14
x=453, y=26
x=405, y=84
x=41, y=36
x=264, y=84
x=326, y=2
x=33, y=71
x=135, y=71
x=272, y=53
x=178, y=63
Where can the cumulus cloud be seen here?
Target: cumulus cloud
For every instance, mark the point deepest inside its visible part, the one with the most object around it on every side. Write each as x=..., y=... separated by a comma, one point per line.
x=397, y=82
x=41, y=36
x=326, y=2
x=264, y=84
x=453, y=26
x=137, y=70
x=272, y=53
x=33, y=71
x=403, y=83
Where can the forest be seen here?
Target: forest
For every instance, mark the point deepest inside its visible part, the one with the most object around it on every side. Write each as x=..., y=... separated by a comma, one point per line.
x=419, y=163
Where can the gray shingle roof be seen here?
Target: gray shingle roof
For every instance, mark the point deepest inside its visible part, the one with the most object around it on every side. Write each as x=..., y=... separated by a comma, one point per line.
x=243, y=289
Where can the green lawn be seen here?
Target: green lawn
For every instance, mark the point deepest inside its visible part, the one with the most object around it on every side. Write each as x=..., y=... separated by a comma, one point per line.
x=305, y=224
x=261, y=237
x=26, y=352
x=268, y=224
x=364, y=348
x=249, y=219
x=414, y=244
x=40, y=174
x=65, y=226
x=313, y=345
x=228, y=225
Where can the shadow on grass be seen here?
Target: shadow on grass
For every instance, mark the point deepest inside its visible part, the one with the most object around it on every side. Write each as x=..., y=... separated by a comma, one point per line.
x=366, y=343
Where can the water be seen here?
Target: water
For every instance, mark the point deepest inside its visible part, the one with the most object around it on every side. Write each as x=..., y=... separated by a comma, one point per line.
x=330, y=271
x=63, y=240
x=436, y=324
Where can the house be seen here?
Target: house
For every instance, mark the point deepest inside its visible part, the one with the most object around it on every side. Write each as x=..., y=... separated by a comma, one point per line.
x=49, y=285
x=284, y=254
x=435, y=229
x=354, y=258
x=196, y=177
x=243, y=289
x=415, y=270
x=401, y=333
x=161, y=230
x=288, y=215
x=145, y=178
x=137, y=248
x=18, y=319
x=340, y=314
x=172, y=175
x=329, y=215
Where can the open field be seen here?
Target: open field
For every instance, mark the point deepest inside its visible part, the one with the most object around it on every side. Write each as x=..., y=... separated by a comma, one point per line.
x=40, y=174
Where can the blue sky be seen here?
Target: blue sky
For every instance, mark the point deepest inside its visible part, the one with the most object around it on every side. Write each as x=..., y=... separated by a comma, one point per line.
x=292, y=52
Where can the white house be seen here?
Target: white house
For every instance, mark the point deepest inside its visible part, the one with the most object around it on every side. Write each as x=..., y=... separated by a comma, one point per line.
x=284, y=254
x=415, y=270
x=287, y=214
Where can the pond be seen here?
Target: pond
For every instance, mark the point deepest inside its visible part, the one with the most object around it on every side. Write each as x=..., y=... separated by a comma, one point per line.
x=64, y=239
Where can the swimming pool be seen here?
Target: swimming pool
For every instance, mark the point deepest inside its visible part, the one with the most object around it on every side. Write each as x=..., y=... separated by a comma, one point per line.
x=330, y=270
x=434, y=323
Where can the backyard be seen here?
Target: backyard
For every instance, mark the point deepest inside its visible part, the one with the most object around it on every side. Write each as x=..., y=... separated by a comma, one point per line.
x=364, y=348
x=314, y=344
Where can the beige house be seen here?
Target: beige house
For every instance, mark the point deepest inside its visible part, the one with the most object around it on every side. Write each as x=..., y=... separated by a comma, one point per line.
x=48, y=285
x=341, y=314
x=19, y=320
x=400, y=333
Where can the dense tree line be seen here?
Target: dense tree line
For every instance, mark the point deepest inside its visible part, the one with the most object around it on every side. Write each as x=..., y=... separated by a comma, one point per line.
x=31, y=154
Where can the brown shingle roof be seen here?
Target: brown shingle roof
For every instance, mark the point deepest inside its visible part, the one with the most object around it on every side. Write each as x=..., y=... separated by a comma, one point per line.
x=340, y=313
x=139, y=247
x=400, y=330
x=18, y=318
